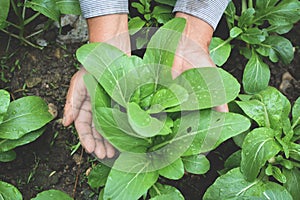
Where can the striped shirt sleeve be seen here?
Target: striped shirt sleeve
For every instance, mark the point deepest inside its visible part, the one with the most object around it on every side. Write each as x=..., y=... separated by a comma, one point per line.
x=209, y=11
x=94, y=8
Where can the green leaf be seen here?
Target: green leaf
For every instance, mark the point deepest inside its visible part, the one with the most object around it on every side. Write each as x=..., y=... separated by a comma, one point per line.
x=234, y=160
x=113, y=125
x=98, y=176
x=8, y=156
x=162, y=13
x=256, y=110
x=214, y=128
x=69, y=7
x=164, y=192
x=6, y=145
x=144, y=124
x=141, y=42
x=4, y=5
x=163, y=18
x=99, y=98
x=88, y=56
x=296, y=112
x=196, y=164
x=121, y=78
x=230, y=13
x=4, y=103
x=167, y=2
x=253, y=36
x=163, y=44
x=207, y=87
x=277, y=106
x=174, y=171
x=232, y=185
x=131, y=183
x=52, y=194
x=23, y=116
x=9, y=192
x=246, y=18
x=282, y=47
x=219, y=50
x=278, y=12
x=256, y=75
x=168, y=97
x=235, y=32
x=46, y=7
x=276, y=173
x=139, y=7
x=258, y=147
x=135, y=24
x=292, y=183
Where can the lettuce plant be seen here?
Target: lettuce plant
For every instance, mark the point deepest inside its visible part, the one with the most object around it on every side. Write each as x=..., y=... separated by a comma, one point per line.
x=259, y=28
x=269, y=160
x=21, y=122
x=8, y=191
x=160, y=125
x=151, y=14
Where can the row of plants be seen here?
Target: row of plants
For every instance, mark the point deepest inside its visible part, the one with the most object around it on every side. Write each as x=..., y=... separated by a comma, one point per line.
x=164, y=127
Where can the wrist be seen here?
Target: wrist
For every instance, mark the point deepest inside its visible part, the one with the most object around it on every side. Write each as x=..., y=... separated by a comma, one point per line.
x=112, y=29
x=197, y=30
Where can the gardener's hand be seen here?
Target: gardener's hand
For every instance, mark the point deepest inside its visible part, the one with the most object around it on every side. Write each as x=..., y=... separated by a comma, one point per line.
x=193, y=48
x=112, y=29
x=78, y=110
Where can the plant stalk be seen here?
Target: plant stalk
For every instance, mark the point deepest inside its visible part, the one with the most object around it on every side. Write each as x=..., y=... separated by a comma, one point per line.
x=244, y=6
x=250, y=3
x=22, y=39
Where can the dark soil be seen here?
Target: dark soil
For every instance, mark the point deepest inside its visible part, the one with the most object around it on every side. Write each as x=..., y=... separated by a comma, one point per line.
x=47, y=163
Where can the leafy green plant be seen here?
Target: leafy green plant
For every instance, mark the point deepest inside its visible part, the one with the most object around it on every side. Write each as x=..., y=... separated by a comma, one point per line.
x=51, y=9
x=151, y=14
x=269, y=160
x=160, y=125
x=8, y=191
x=21, y=122
x=258, y=27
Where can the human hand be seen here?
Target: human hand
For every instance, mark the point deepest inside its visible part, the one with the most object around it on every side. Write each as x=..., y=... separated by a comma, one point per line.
x=193, y=50
x=78, y=110
x=112, y=29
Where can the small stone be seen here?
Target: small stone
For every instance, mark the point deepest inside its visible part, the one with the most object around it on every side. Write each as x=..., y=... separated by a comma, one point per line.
x=33, y=81
x=78, y=159
x=52, y=109
x=286, y=82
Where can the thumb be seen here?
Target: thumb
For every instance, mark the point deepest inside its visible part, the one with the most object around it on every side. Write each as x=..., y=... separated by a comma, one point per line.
x=75, y=97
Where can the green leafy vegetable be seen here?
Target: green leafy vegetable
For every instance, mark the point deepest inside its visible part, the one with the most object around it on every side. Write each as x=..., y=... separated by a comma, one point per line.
x=8, y=191
x=52, y=194
x=24, y=115
x=232, y=185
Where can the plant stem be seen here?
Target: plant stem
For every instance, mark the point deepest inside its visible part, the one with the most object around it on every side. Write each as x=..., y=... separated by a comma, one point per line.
x=22, y=39
x=244, y=6
x=30, y=19
x=250, y=3
x=35, y=33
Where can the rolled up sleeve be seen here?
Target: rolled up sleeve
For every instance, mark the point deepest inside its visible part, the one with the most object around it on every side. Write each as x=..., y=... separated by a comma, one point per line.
x=209, y=11
x=96, y=8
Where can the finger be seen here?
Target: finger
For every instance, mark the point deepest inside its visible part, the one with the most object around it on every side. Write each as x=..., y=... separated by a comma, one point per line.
x=100, y=150
x=75, y=97
x=110, y=150
x=83, y=126
x=222, y=108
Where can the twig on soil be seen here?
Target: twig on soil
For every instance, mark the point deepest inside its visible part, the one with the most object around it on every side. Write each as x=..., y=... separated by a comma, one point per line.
x=77, y=175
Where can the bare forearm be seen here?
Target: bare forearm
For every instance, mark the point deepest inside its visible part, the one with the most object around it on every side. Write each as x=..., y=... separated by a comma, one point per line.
x=197, y=30
x=112, y=29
